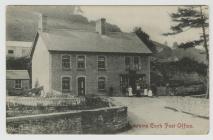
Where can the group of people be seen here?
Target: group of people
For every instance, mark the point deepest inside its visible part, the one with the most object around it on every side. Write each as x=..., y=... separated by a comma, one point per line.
x=141, y=89
x=139, y=92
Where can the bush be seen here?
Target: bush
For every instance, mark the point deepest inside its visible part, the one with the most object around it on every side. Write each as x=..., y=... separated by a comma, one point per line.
x=96, y=101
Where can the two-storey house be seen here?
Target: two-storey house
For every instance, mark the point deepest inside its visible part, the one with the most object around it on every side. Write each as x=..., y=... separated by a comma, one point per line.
x=80, y=62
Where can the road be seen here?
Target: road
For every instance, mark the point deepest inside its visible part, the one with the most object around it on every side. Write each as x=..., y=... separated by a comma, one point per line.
x=149, y=116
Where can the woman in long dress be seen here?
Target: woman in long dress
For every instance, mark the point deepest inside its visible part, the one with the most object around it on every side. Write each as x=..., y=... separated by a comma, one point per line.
x=149, y=92
x=145, y=92
x=130, y=91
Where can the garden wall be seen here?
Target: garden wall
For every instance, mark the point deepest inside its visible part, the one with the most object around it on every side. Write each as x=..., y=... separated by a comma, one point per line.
x=96, y=121
x=39, y=101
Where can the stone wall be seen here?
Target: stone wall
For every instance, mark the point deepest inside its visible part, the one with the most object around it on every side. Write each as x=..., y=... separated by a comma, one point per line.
x=96, y=121
x=115, y=65
x=39, y=101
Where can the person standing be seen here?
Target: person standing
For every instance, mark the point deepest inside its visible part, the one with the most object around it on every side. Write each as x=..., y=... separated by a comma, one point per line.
x=145, y=90
x=130, y=91
x=138, y=89
x=149, y=92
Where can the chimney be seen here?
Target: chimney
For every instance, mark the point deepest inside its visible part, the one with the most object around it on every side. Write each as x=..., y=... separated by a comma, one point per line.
x=100, y=26
x=42, y=24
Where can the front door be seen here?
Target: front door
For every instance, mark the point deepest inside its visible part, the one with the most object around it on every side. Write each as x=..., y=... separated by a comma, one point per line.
x=132, y=80
x=81, y=86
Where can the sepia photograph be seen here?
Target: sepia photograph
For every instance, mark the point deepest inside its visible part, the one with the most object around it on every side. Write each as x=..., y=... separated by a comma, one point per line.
x=98, y=69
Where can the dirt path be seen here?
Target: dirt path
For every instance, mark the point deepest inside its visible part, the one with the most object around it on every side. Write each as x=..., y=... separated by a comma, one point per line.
x=149, y=116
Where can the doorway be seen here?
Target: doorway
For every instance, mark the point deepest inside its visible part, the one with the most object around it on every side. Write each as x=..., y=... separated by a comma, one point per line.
x=81, y=86
x=133, y=80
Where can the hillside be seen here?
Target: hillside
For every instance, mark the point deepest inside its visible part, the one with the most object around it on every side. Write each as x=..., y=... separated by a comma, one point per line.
x=193, y=53
x=165, y=52
x=22, y=21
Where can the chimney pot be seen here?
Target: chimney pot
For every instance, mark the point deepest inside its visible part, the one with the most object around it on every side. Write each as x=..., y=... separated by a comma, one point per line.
x=100, y=26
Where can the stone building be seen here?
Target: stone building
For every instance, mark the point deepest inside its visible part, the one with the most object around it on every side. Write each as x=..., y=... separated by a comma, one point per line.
x=17, y=81
x=80, y=62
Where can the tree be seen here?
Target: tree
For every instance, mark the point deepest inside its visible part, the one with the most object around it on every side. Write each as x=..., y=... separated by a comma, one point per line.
x=175, y=45
x=145, y=38
x=166, y=43
x=191, y=17
x=22, y=63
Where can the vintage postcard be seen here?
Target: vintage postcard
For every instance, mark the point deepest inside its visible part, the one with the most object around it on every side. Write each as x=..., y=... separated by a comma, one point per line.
x=107, y=69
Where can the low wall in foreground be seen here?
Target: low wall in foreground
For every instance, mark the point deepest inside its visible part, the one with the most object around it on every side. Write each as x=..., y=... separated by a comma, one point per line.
x=40, y=101
x=96, y=121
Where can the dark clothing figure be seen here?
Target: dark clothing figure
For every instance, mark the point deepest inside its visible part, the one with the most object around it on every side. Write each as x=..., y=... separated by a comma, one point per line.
x=154, y=90
x=111, y=91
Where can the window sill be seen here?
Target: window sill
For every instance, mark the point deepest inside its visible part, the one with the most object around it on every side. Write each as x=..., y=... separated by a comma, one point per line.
x=81, y=69
x=134, y=69
x=66, y=91
x=102, y=90
x=66, y=69
x=101, y=69
x=18, y=88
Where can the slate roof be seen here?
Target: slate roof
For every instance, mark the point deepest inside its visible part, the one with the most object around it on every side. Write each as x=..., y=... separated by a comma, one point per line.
x=88, y=41
x=17, y=74
x=19, y=44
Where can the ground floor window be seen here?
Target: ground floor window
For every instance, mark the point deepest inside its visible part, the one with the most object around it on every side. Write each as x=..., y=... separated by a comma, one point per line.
x=66, y=84
x=17, y=84
x=101, y=83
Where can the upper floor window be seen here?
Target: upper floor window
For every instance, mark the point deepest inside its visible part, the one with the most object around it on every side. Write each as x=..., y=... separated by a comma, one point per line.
x=66, y=84
x=18, y=84
x=101, y=62
x=10, y=52
x=81, y=62
x=101, y=83
x=127, y=61
x=66, y=62
x=136, y=62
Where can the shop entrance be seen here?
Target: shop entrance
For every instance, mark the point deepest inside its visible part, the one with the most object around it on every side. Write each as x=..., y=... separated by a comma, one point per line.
x=133, y=80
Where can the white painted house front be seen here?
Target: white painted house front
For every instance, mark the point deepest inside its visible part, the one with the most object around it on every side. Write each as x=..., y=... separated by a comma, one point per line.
x=18, y=48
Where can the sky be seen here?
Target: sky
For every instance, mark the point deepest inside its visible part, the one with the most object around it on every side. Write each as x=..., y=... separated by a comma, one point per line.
x=154, y=20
